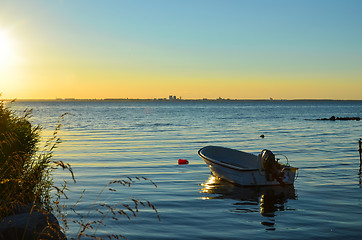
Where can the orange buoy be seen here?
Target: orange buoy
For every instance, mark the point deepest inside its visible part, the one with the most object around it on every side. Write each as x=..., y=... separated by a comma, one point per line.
x=183, y=161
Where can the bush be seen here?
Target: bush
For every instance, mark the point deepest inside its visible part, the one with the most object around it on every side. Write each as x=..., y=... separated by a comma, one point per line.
x=25, y=172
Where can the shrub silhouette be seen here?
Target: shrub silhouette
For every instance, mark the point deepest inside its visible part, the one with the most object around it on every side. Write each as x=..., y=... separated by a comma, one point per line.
x=19, y=173
x=25, y=171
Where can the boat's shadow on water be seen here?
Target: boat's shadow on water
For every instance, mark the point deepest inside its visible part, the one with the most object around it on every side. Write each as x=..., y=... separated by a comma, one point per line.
x=266, y=200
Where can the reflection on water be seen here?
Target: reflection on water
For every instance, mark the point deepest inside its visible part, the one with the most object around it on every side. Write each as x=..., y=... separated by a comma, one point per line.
x=360, y=174
x=266, y=200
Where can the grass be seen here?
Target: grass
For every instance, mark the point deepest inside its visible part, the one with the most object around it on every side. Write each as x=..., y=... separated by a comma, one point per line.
x=24, y=173
x=100, y=210
x=26, y=177
x=26, y=168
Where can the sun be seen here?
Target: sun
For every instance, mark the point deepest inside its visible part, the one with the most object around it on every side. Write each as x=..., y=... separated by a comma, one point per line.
x=7, y=50
x=9, y=58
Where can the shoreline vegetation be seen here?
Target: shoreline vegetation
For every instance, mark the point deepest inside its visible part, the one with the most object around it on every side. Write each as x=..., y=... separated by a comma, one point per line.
x=26, y=182
x=30, y=201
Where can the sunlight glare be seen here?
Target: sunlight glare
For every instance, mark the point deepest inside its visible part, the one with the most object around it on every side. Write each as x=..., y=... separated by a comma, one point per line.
x=7, y=50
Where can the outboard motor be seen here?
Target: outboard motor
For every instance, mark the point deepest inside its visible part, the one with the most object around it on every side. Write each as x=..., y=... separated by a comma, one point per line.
x=267, y=159
x=271, y=167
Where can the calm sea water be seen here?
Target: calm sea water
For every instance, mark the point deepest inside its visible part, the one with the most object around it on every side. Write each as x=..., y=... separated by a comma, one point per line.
x=105, y=141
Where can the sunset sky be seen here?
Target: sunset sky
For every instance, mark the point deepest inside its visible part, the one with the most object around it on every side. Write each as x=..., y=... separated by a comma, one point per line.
x=239, y=49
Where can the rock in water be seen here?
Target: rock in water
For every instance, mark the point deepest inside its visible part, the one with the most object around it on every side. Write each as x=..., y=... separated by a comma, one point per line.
x=333, y=118
x=37, y=225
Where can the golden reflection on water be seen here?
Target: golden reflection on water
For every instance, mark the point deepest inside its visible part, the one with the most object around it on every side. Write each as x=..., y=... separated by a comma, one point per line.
x=265, y=200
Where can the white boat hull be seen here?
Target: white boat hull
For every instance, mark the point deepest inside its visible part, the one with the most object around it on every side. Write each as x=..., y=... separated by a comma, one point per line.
x=245, y=176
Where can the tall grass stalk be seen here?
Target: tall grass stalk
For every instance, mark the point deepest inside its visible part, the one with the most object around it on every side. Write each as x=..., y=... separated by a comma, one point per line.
x=26, y=167
x=100, y=210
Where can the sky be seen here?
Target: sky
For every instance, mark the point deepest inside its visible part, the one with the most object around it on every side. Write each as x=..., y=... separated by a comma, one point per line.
x=237, y=49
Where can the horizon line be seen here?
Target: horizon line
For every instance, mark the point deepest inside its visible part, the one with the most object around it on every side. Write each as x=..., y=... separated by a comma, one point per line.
x=173, y=100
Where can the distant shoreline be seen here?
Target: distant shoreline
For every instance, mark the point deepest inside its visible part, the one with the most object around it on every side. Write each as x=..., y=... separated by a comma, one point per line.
x=177, y=100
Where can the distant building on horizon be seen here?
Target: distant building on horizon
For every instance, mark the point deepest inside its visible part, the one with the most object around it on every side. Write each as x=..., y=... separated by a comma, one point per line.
x=173, y=98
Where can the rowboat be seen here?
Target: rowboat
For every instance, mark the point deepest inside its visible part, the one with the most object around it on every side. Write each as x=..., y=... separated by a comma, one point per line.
x=247, y=169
